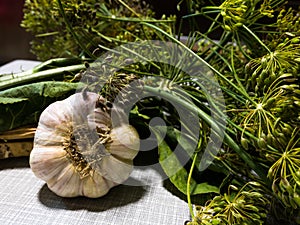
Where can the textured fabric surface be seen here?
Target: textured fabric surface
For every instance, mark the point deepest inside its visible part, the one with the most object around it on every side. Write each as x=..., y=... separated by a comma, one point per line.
x=24, y=199
x=18, y=66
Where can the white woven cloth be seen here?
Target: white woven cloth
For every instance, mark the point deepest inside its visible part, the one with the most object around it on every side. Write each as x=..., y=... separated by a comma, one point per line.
x=24, y=199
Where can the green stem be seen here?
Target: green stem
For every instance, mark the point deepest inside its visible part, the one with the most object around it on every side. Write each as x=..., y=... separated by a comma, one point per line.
x=133, y=19
x=211, y=27
x=256, y=38
x=222, y=42
x=28, y=76
x=131, y=51
x=130, y=9
x=188, y=187
x=49, y=64
x=200, y=59
x=234, y=72
x=213, y=106
x=215, y=127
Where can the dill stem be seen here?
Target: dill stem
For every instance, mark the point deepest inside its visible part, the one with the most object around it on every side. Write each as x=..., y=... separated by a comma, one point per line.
x=256, y=38
x=234, y=72
x=188, y=186
x=204, y=61
x=215, y=127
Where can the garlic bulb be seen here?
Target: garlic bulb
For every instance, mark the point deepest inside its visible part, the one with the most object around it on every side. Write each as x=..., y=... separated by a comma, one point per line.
x=77, y=151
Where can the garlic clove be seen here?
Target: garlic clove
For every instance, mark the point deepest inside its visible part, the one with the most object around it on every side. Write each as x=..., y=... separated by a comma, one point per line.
x=114, y=169
x=126, y=142
x=45, y=137
x=47, y=162
x=81, y=107
x=99, y=119
x=55, y=125
x=67, y=183
x=96, y=186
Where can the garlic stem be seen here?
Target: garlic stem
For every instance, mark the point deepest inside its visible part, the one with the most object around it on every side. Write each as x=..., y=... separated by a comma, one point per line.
x=30, y=76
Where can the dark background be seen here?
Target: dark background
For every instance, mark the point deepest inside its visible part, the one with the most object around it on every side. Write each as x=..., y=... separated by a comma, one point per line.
x=14, y=40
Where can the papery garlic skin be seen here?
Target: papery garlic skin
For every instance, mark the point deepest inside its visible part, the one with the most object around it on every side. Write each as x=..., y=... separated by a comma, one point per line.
x=77, y=152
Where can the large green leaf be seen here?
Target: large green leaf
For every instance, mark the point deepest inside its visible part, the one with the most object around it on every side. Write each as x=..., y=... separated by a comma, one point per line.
x=23, y=105
x=176, y=171
x=9, y=100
